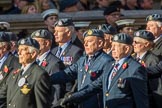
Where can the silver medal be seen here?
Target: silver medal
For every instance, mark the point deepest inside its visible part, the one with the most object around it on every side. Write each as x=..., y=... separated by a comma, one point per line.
x=21, y=82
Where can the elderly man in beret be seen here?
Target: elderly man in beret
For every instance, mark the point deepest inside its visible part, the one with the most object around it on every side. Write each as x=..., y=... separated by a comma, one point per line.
x=143, y=42
x=154, y=25
x=66, y=50
x=109, y=31
x=47, y=60
x=88, y=68
x=28, y=86
x=124, y=82
x=7, y=60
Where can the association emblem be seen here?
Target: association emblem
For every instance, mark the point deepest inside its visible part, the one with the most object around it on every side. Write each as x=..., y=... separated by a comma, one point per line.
x=21, y=82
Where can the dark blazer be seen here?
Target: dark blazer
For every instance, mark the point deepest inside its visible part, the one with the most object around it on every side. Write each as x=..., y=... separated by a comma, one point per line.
x=157, y=49
x=154, y=83
x=128, y=88
x=52, y=64
x=73, y=52
x=85, y=77
x=70, y=51
x=35, y=93
x=11, y=63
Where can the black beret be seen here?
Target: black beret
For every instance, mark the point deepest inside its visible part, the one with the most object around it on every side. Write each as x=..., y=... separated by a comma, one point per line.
x=67, y=3
x=154, y=17
x=107, y=28
x=29, y=42
x=4, y=37
x=111, y=9
x=42, y=33
x=94, y=32
x=123, y=38
x=64, y=22
x=144, y=34
x=12, y=36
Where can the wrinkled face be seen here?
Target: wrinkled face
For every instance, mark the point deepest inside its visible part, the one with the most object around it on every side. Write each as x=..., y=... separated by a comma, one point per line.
x=154, y=28
x=61, y=34
x=128, y=30
x=113, y=17
x=119, y=50
x=32, y=10
x=139, y=45
x=92, y=44
x=25, y=57
x=50, y=21
x=107, y=42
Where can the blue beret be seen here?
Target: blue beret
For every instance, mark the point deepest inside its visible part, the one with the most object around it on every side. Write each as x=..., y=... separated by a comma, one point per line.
x=111, y=9
x=12, y=36
x=154, y=17
x=29, y=42
x=4, y=37
x=123, y=38
x=42, y=33
x=144, y=34
x=64, y=22
x=94, y=32
x=108, y=29
x=67, y=3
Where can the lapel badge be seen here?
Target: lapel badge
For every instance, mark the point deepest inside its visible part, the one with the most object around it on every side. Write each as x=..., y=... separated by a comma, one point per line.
x=107, y=94
x=121, y=83
x=1, y=76
x=37, y=34
x=25, y=89
x=21, y=82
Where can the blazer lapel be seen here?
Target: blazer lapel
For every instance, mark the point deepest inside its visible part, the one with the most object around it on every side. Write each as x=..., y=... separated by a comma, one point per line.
x=66, y=50
x=119, y=72
x=25, y=75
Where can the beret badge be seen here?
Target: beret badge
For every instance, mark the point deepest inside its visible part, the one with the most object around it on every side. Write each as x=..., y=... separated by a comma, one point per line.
x=99, y=27
x=60, y=23
x=116, y=38
x=37, y=34
x=90, y=32
x=137, y=34
x=150, y=17
x=22, y=41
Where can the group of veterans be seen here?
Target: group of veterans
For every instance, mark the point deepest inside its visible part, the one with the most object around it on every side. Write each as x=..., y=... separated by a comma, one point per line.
x=107, y=68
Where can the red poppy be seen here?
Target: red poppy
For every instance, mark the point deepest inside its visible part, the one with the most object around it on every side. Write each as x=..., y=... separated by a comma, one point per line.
x=93, y=74
x=5, y=69
x=44, y=63
x=125, y=65
x=143, y=64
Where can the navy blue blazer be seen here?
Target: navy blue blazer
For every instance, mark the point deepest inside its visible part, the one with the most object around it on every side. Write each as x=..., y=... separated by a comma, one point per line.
x=128, y=88
x=85, y=76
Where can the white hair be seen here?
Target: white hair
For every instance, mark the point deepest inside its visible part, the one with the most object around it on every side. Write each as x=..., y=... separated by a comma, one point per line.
x=159, y=24
x=32, y=49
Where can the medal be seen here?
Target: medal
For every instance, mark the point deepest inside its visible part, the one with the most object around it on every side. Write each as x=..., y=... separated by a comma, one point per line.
x=1, y=76
x=21, y=82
